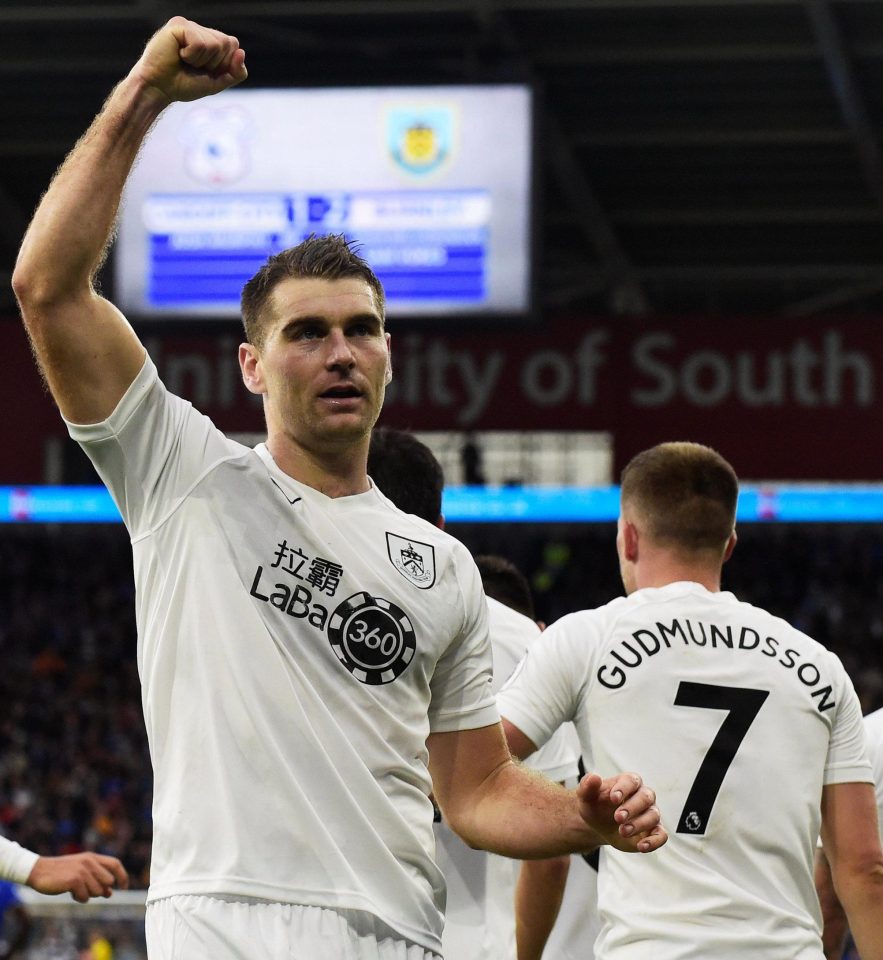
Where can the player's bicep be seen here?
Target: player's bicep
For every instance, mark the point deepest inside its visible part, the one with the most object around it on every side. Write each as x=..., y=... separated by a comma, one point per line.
x=850, y=834
x=87, y=352
x=519, y=742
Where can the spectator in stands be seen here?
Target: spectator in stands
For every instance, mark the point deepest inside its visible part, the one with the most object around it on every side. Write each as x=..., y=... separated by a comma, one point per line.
x=15, y=921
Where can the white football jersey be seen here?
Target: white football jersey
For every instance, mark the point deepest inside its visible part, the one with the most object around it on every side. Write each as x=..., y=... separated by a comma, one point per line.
x=874, y=730
x=737, y=720
x=295, y=651
x=480, y=913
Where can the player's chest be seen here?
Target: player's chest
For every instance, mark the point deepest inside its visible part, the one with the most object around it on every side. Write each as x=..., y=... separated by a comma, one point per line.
x=367, y=595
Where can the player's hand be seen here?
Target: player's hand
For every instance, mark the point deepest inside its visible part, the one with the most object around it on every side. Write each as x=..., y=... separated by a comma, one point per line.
x=186, y=61
x=623, y=811
x=83, y=875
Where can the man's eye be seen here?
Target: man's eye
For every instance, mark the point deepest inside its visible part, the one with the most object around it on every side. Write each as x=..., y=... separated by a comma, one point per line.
x=308, y=333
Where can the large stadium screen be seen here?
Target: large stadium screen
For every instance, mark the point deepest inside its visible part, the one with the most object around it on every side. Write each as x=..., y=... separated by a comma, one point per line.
x=434, y=183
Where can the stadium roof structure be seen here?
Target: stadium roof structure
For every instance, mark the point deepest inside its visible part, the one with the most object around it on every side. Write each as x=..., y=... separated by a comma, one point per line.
x=717, y=156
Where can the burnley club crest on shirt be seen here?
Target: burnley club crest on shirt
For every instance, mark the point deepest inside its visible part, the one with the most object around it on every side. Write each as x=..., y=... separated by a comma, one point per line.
x=414, y=560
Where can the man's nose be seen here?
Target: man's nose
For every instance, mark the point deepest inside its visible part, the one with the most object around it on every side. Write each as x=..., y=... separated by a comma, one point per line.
x=340, y=353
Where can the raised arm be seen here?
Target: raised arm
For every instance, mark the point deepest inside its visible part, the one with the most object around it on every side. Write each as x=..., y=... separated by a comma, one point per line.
x=87, y=351
x=851, y=840
x=496, y=805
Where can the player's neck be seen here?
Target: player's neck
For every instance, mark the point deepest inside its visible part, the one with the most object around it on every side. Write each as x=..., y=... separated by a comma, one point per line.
x=661, y=571
x=336, y=472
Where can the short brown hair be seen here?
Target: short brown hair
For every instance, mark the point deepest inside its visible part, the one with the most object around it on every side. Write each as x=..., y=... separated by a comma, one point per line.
x=686, y=493
x=330, y=257
x=407, y=472
x=504, y=582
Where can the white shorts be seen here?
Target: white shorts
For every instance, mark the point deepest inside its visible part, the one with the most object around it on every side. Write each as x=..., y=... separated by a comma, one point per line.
x=188, y=927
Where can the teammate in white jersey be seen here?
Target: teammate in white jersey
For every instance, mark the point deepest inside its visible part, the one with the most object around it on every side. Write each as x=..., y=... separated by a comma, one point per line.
x=313, y=661
x=480, y=915
x=522, y=902
x=480, y=920
x=556, y=906
x=758, y=739
x=577, y=924
x=835, y=924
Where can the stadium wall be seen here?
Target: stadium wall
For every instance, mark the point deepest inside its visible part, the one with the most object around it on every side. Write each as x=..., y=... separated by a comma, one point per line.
x=783, y=399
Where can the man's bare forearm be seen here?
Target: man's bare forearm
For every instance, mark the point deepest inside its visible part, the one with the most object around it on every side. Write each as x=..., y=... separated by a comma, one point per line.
x=495, y=804
x=834, y=926
x=518, y=813
x=523, y=815
x=66, y=241
x=88, y=353
x=862, y=899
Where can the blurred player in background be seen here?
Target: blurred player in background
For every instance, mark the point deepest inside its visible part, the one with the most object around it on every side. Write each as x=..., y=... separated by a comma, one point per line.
x=535, y=888
x=480, y=915
x=406, y=471
x=835, y=930
x=758, y=739
x=313, y=661
x=577, y=925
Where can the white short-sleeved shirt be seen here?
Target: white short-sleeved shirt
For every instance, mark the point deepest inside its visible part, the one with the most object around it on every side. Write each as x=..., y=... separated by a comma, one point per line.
x=295, y=651
x=874, y=730
x=480, y=914
x=737, y=721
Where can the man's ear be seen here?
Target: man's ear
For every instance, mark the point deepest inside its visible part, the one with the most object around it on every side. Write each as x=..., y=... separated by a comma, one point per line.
x=630, y=538
x=250, y=368
x=388, y=358
x=730, y=547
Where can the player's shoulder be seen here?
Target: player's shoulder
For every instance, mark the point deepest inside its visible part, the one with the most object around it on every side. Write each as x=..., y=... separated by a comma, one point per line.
x=776, y=625
x=504, y=621
x=591, y=621
x=200, y=429
x=409, y=526
x=691, y=599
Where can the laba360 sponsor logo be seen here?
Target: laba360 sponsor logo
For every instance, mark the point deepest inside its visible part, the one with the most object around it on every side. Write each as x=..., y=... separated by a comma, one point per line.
x=372, y=637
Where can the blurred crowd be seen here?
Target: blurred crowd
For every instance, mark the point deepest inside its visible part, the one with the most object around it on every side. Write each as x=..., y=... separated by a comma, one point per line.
x=74, y=764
